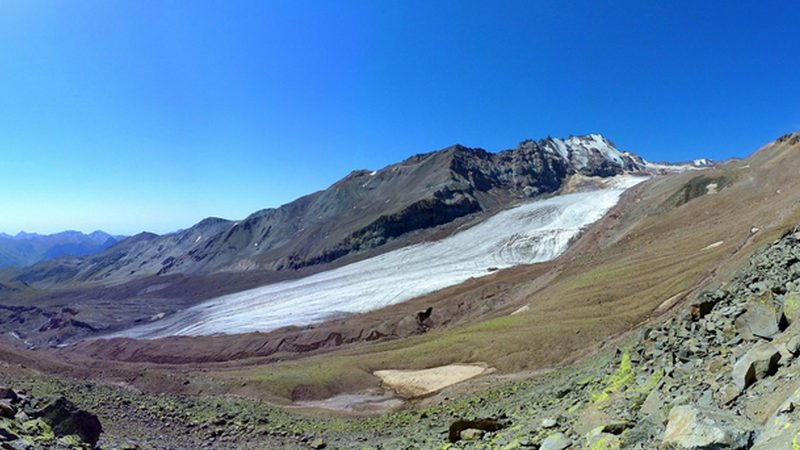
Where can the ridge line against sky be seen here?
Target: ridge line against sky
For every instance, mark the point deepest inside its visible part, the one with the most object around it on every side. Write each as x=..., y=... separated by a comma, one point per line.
x=129, y=116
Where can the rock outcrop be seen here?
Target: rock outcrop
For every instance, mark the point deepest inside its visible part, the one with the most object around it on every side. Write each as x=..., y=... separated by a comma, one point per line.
x=45, y=423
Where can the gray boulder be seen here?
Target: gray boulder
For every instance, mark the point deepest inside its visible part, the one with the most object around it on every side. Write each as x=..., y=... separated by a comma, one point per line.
x=557, y=441
x=759, y=321
x=758, y=363
x=782, y=430
x=548, y=423
x=790, y=308
x=66, y=419
x=694, y=428
x=8, y=394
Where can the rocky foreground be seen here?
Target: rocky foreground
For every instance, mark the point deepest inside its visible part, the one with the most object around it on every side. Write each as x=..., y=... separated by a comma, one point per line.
x=44, y=423
x=721, y=373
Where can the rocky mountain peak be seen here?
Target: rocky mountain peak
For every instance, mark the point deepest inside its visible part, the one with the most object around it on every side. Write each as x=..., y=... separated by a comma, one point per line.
x=365, y=210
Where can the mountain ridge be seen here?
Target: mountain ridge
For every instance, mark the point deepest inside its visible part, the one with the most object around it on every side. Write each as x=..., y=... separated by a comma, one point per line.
x=25, y=249
x=359, y=213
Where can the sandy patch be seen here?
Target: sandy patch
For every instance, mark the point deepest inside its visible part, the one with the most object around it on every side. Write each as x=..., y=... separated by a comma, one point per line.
x=415, y=383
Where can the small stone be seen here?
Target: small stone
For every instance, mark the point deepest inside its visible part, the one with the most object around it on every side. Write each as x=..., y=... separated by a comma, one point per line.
x=472, y=434
x=317, y=444
x=549, y=423
x=706, y=399
x=793, y=345
x=727, y=394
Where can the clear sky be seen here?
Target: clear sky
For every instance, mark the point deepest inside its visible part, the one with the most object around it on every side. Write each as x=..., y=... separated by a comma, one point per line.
x=151, y=115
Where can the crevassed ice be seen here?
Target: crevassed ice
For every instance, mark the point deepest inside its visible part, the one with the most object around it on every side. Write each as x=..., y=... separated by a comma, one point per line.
x=534, y=232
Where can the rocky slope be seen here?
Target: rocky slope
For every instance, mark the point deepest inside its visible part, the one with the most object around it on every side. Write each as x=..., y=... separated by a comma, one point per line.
x=363, y=211
x=723, y=373
x=45, y=423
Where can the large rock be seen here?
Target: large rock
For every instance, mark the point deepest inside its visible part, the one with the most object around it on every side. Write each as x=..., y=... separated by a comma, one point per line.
x=759, y=321
x=782, y=430
x=557, y=441
x=472, y=434
x=694, y=428
x=7, y=410
x=758, y=363
x=8, y=394
x=791, y=307
x=66, y=419
x=598, y=439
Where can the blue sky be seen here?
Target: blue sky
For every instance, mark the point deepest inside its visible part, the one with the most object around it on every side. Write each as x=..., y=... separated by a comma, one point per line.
x=150, y=115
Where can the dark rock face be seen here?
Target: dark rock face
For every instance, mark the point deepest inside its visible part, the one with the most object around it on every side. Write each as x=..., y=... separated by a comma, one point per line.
x=57, y=424
x=66, y=419
x=362, y=211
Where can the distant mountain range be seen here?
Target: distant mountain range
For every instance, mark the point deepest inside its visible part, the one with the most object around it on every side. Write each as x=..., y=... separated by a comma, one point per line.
x=25, y=249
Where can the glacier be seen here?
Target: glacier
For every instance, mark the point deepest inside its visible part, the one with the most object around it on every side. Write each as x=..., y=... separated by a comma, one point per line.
x=534, y=232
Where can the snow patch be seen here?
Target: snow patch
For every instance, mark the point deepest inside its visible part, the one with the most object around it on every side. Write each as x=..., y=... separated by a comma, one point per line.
x=534, y=232
x=521, y=310
x=714, y=245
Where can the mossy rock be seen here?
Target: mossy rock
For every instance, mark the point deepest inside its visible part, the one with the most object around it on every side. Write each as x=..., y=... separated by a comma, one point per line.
x=598, y=440
x=38, y=430
x=791, y=307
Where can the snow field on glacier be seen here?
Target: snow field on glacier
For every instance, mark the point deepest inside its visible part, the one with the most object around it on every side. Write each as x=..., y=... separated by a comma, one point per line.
x=534, y=232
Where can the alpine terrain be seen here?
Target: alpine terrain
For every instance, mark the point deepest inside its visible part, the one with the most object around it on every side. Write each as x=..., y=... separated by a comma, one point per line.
x=563, y=294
